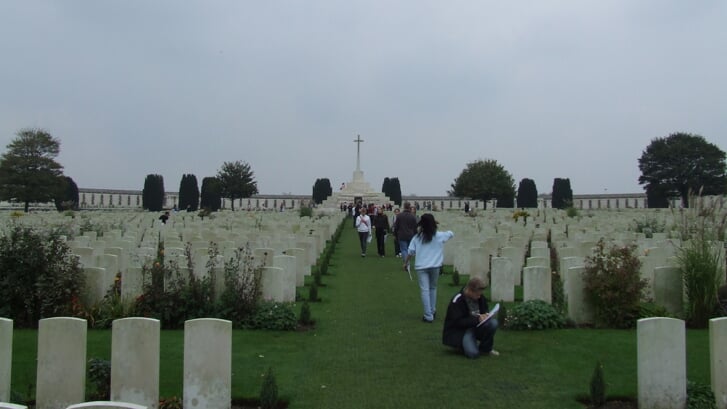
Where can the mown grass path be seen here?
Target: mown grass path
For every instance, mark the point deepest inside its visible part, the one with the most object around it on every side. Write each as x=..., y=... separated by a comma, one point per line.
x=370, y=350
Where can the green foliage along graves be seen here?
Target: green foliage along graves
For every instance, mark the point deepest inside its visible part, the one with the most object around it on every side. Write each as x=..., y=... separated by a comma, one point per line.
x=39, y=277
x=269, y=391
x=534, y=315
x=598, y=386
x=613, y=285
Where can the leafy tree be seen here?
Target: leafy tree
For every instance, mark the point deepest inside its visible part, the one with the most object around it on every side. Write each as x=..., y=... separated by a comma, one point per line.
x=321, y=190
x=562, y=193
x=682, y=162
x=211, y=194
x=485, y=180
x=67, y=197
x=392, y=189
x=527, y=194
x=152, y=197
x=237, y=181
x=188, y=193
x=28, y=170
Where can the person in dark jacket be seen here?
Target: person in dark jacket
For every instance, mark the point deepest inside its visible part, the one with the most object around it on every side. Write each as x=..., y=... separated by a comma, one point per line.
x=381, y=228
x=467, y=309
x=405, y=227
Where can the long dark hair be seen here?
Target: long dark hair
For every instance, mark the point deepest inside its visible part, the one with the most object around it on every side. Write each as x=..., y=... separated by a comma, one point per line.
x=428, y=227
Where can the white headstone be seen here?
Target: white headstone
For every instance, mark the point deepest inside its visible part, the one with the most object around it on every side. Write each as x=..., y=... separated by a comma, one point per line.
x=718, y=360
x=273, y=284
x=106, y=405
x=6, y=355
x=135, y=361
x=668, y=288
x=578, y=308
x=61, y=373
x=536, y=284
x=503, y=281
x=207, y=364
x=662, y=383
x=287, y=263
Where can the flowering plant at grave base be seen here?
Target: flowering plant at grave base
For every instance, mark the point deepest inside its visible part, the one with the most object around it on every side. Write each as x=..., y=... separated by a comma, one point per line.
x=170, y=403
x=534, y=315
x=613, y=285
x=520, y=213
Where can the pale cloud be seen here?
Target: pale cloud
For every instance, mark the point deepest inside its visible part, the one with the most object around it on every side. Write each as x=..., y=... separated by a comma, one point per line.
x=549, y=89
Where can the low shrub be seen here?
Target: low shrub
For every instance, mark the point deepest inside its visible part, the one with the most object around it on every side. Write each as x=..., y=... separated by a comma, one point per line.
x=650, y=309
x=702, y=272
x=305, y=315
x=700, y=396
x=170, y=403
x=613, y=285
x=534, y=315
x=313, y=292
x=39, y=276
x=99, y=376
x=269, y=391
x=598, y=386
x=305, y=211
x=278, y=316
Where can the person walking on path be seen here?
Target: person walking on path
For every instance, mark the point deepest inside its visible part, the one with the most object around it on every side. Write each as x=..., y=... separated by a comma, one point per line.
x=405, y=227
x=428, y=248
x=468, y=322
x=363, y=226
x=397, y=252
x=381, y=228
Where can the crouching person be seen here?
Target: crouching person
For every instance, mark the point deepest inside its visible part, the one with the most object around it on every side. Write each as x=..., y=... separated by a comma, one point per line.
x=467, y=309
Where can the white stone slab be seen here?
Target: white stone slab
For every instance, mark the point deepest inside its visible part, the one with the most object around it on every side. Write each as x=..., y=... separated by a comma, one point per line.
x=207, y=364
x=536, y=284
x=662, y=383
x=718, y=360
x=6, y=355
x=106, y=405
x=61, y=373
x=135, y=361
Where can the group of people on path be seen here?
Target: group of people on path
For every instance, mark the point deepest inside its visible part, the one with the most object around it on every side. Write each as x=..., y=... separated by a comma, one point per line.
x=468, y=325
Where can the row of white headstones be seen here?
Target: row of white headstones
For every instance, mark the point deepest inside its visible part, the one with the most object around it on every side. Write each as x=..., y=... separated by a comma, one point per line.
x=287, y=247
x=61, y=374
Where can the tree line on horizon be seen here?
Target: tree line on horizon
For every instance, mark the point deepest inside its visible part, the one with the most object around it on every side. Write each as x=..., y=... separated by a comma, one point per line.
x=673, y=166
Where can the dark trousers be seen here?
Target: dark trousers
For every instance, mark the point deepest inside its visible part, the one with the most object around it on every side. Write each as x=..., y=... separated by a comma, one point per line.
x=380, y=241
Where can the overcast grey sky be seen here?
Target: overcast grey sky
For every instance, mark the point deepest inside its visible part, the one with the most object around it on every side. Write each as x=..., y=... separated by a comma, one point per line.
x=548, y=89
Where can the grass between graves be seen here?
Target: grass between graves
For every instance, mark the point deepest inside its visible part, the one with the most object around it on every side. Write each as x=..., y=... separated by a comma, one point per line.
x=370, y=350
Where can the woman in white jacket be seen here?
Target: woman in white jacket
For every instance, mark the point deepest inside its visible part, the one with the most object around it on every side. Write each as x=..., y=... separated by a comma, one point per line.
x=363, y=226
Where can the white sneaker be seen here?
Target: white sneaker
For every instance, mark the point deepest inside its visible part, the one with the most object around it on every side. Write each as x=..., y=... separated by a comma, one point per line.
x=494, y=353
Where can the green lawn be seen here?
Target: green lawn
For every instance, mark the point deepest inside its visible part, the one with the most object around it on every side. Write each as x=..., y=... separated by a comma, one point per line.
x=371, y=350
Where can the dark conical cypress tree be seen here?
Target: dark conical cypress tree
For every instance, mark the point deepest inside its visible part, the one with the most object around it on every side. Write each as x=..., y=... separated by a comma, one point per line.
x=152, y=196
x=527, y=194
x=211, y=194
x=562, y=193
x=188, y=193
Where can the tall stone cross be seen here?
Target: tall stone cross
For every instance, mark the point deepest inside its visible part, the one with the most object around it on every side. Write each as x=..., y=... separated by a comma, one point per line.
x=358, y=141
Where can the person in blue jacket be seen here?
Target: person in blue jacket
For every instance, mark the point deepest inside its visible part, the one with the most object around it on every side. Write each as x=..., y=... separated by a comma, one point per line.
x=427, y=247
